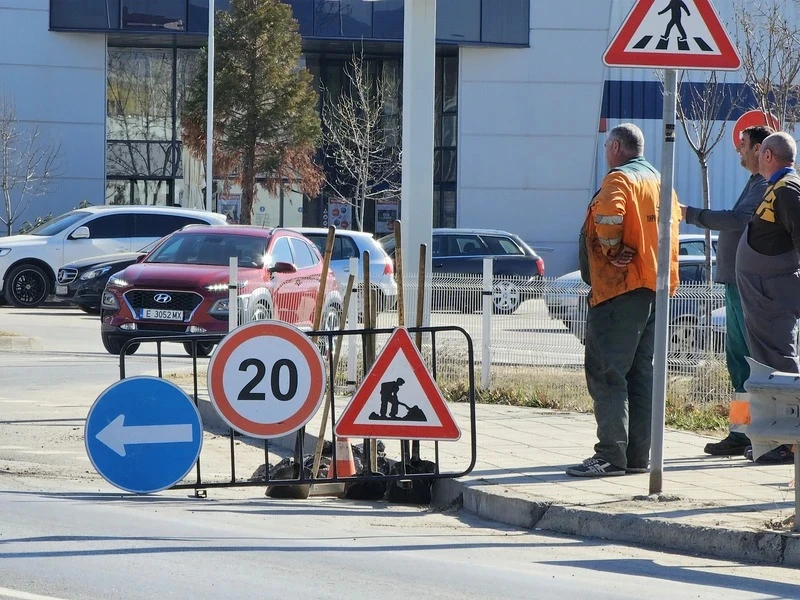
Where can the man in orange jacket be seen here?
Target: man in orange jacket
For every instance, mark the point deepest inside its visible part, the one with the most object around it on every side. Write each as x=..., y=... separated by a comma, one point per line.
x=621, y=258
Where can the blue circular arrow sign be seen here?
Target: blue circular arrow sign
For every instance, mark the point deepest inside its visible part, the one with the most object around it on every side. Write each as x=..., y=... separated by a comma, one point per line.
x=143, y=434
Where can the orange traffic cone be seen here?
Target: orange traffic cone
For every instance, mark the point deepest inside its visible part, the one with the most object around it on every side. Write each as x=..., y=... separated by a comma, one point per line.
x=345, y=464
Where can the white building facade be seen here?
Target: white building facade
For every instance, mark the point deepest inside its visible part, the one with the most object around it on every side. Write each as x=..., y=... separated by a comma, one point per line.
x=520, y=125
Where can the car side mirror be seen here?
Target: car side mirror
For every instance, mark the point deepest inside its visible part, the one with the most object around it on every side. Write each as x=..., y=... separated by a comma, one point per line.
x=283, y=267
x=81, y=233
x=141, y=258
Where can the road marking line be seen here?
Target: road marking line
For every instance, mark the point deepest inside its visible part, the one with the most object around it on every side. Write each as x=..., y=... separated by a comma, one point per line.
x=13, y=447
x=20, y=595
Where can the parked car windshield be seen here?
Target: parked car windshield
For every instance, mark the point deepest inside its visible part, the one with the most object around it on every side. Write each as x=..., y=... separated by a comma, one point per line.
x=210, y=249
x=695, y=247
x=59, y=224
x=501, y=245
x=149, y=247
x=387, y=243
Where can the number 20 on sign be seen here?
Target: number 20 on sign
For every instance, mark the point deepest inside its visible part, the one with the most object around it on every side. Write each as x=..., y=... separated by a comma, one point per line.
x=266, y=379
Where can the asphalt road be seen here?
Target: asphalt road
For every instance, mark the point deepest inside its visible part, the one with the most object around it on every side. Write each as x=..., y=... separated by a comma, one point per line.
x=528, y=337
x=68, y=542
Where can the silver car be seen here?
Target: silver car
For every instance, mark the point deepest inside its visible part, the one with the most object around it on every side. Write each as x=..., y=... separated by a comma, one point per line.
x=352, y=244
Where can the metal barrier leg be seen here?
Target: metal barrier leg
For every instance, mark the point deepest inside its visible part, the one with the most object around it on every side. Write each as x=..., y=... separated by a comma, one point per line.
x=796, y=491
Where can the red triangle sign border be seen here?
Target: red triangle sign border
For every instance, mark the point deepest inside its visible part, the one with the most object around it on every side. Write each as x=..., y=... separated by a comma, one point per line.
x=399, y=342
x=727, y=59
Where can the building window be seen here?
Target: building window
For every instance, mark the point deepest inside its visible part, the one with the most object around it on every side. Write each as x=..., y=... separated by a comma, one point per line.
x=154, y=15
x=445, y=167
x=101, y=15
x=145, y=161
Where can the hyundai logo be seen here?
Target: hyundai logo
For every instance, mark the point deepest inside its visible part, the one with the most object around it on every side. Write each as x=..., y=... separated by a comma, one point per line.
x=162, y=298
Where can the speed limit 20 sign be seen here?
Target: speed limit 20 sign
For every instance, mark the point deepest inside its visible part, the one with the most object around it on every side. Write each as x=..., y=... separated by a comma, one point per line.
x=266, y=379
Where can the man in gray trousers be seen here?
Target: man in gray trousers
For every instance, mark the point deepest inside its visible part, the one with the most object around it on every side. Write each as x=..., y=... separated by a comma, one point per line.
x=768, y=265
x=731, y=224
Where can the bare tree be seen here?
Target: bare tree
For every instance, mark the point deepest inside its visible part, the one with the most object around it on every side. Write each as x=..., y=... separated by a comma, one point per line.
x=28, y=163
x=361, y=132
x=768, y=37
x=704, y=109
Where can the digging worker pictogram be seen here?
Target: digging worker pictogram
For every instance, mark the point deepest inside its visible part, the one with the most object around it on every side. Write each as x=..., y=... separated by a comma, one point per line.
x=389, y=391
x=675, y=7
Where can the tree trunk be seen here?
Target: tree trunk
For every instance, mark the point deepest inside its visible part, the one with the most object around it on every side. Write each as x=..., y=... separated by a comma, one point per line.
x=248, y=186
x=7, y=202
x=706, y=206
x=361, y=202
x=707, y=333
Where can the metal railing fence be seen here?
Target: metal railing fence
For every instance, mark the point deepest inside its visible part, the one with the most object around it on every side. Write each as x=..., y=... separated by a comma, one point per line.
x=529, y=333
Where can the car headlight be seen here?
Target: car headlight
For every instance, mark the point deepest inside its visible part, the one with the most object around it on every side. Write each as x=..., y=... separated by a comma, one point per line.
x=4, y=251
x=115, y=281
x=95, y=273
x=223, y=287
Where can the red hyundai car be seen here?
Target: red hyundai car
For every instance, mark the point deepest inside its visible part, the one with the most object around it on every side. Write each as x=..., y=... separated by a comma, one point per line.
x=182, y=286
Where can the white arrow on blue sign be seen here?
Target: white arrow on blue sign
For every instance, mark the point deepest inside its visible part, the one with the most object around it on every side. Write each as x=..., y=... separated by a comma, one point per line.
x=143, y=434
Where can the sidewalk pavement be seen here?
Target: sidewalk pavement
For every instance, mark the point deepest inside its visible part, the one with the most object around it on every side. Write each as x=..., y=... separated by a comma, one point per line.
x=714, y=506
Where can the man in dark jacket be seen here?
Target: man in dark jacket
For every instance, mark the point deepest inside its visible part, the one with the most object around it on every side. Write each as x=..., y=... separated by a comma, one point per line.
x=768, y=269
x=731, y=224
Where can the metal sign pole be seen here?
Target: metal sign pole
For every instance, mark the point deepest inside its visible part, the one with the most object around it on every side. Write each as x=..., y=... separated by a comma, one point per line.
x=210, y=111
x=662, y=285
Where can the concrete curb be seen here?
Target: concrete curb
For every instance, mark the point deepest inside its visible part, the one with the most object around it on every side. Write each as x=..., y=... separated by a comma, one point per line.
x=20, y=343
x=497, y=504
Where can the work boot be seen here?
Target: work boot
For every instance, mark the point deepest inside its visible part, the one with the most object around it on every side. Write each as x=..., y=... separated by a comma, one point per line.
x=733, y=445
x=782, y=455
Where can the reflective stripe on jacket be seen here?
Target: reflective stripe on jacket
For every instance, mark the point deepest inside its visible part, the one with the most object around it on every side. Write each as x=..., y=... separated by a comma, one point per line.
x=625, y=213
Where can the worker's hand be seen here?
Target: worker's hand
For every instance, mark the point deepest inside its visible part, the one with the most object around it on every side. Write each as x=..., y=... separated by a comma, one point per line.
x=623, y=257
x=683, y=211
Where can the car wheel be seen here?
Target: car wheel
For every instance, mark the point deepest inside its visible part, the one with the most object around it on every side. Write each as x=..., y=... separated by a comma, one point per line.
x=90, y=310
x=113, y=345
x=331, y=321
x=27, y=286
x=203, y=348
x=505, y=297
x=682, y=340
x=262, y=311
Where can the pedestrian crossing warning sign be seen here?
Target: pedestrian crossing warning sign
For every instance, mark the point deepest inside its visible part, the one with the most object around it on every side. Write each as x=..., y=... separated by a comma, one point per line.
x=398, y=399
x=673, y=34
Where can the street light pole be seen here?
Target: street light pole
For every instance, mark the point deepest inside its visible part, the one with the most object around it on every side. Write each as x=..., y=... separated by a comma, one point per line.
x=419, y=76
x=210, y=103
